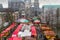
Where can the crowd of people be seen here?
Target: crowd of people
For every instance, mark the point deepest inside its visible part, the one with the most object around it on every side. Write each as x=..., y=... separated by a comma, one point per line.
x=31, y=21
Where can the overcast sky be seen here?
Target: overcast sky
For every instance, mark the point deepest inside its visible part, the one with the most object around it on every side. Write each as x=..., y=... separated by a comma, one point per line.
x=42, y=2
x=4, y=2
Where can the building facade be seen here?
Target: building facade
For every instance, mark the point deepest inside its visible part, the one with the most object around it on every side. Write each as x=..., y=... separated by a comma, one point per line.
x=36, y=3
x=15, y=4
x=1, y=6
x=36, y=6
x=27, y=7
x=51, y=14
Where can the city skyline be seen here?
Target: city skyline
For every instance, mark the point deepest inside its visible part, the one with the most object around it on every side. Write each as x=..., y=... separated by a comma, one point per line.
x=41, y=2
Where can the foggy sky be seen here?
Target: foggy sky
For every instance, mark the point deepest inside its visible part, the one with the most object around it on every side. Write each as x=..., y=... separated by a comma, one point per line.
x=41, y=2
x=4, y=2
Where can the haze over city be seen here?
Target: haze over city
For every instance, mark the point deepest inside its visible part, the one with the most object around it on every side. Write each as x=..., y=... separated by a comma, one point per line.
x=41, y=2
